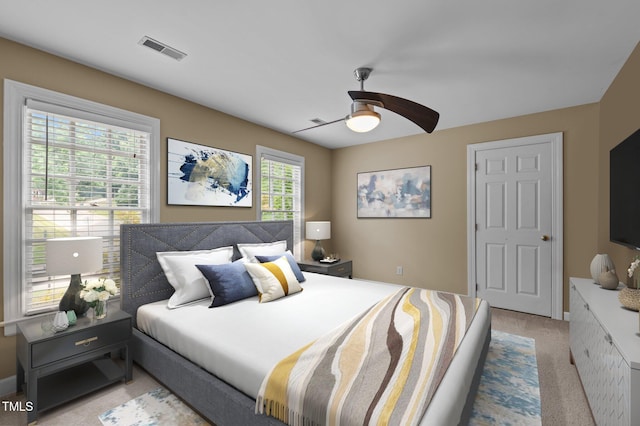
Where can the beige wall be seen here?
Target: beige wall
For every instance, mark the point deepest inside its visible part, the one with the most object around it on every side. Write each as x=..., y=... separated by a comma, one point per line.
x=179, y=119
x=619, y=117
x=433, y=252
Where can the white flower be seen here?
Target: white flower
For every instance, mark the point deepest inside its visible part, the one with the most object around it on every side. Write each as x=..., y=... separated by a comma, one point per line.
x=110, y=286
x=633, y=267
x=99, y=289
x=88, y=295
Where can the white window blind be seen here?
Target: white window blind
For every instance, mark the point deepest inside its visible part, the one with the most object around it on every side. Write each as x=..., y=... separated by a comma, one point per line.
x=82, y=177
x=281, y=190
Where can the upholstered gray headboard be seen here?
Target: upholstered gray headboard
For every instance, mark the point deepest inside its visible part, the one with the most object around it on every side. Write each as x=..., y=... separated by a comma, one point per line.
x=142, y=278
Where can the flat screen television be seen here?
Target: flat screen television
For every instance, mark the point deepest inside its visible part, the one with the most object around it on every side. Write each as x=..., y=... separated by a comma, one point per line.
x=624, y=201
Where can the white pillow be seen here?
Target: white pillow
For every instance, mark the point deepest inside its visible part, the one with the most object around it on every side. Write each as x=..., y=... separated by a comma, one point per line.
x=273, y=280
x=187, y=280
x=250, y=250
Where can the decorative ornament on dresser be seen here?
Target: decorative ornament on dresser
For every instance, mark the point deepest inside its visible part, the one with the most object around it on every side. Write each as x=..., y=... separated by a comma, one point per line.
x=608, y=280
x=630, y=295
x=600, y=263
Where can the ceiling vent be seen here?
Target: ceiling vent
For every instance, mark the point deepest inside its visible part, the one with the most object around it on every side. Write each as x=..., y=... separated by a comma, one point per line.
x=162, y=48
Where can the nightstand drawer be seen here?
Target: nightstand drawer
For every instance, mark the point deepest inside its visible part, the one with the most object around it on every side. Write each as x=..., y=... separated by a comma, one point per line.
x=92, y=338
x=342, y=268
x=318, y=269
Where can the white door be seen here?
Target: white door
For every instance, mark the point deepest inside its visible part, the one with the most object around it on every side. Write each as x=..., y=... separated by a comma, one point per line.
x=514, y=224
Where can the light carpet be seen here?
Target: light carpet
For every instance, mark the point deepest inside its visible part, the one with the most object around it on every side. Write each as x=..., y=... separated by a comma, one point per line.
x=508, y=394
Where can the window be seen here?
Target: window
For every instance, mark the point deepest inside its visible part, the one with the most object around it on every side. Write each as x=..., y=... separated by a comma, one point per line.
x=281, y=193
x=76, y=169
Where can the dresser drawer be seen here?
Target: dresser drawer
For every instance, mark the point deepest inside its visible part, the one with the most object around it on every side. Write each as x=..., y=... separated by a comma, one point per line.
x=67, y=345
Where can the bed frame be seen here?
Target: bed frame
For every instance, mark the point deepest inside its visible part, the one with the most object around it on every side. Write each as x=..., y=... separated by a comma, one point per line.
x=143, y=281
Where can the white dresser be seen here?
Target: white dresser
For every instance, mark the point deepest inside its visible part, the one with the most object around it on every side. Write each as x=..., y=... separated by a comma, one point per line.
x=605, y=346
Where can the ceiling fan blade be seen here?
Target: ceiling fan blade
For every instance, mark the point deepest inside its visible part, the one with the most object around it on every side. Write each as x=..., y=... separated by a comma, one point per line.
x=424, y=117
x=319, y=125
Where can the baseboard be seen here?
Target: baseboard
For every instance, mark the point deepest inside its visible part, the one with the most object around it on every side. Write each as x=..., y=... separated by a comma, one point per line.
x=8, y=386
x=566, y=316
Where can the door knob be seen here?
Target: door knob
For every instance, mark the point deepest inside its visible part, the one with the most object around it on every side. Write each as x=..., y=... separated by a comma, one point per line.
x=545, y=238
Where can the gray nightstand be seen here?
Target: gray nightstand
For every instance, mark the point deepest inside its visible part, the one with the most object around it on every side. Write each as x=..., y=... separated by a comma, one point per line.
x=57, y=367
x=342, y=268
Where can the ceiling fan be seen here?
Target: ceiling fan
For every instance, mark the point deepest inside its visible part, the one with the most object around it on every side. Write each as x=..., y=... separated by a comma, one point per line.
x=363, y=118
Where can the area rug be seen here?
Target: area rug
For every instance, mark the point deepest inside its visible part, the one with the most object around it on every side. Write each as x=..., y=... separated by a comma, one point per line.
x=508, y=393
x=158, y=407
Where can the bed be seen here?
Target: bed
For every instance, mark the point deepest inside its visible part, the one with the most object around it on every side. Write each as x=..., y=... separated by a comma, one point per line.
x=223, y=387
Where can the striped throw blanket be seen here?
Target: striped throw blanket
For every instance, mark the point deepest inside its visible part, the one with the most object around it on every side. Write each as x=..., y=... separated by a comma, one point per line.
x=382, y=367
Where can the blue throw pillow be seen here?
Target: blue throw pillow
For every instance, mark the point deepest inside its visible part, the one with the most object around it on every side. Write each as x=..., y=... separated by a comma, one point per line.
x=229, y=282
x=292, y=262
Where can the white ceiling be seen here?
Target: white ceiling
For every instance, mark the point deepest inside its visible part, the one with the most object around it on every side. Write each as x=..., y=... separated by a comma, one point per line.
x=281, y=63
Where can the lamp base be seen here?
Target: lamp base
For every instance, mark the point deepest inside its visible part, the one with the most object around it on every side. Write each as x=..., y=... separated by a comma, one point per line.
x=71, y=300
x=318, y=252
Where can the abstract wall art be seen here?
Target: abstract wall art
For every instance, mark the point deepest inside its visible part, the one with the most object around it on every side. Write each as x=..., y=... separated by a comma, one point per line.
x=200, y=175
x=395, y=193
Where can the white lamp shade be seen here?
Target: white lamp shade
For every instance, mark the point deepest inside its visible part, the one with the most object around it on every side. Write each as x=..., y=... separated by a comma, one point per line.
x=69, y=256
x=318, y=230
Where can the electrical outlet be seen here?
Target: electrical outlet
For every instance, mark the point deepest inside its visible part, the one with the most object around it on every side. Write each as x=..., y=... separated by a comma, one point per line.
x=398, y=270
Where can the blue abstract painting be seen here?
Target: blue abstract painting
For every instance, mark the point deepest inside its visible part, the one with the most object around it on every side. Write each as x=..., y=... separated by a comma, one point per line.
x=206, y=176
x=395, y=193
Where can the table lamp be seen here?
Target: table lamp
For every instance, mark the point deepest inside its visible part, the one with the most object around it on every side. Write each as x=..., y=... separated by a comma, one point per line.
x=72, y=256
x=318, y=231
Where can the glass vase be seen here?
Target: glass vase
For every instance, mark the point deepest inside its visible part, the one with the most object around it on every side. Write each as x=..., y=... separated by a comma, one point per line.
x=100, y=309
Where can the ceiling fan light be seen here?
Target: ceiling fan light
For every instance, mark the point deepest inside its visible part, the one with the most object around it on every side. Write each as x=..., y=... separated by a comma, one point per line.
x=363, y=120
